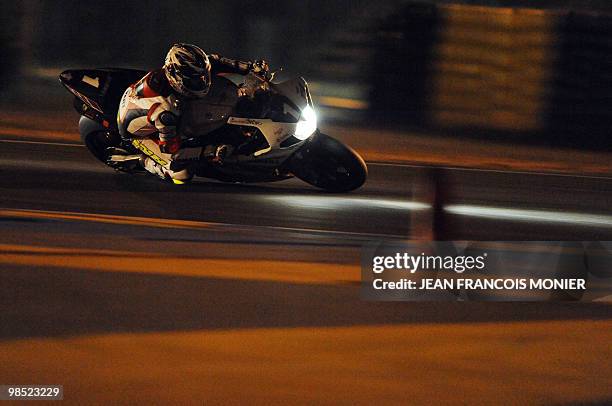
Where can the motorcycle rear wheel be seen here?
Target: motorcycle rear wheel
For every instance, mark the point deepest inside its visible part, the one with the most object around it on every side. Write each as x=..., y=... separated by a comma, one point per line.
x=97, y=143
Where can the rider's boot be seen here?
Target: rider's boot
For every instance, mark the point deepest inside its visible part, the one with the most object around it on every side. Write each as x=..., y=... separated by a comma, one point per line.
x=177, y=176
x=122, y=161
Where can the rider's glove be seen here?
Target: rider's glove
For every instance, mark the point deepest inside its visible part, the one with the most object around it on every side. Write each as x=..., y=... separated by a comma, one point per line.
x=169, y=141
x=260, y=68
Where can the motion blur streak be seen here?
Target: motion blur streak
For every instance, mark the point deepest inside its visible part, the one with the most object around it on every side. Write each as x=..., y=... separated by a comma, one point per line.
x=46, y=133
x=334, y=203
x=543, y=216
x=484, y=362
x=29, y=215
x=101, y=260
x=343, y=103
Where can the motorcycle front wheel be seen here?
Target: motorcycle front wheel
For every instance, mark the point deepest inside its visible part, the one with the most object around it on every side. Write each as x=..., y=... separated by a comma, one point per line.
x=328, y=164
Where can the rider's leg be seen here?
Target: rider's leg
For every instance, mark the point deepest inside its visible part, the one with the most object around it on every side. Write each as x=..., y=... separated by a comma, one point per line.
x=121, y=160
x=176, y=176
x=173, y=167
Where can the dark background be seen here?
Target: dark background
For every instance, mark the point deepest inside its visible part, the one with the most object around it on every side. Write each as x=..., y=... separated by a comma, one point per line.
x=533, y=70
x=47, y=32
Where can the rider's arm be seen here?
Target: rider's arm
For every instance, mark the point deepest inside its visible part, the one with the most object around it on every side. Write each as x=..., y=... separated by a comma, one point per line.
x=221, y=64
x=165, y=118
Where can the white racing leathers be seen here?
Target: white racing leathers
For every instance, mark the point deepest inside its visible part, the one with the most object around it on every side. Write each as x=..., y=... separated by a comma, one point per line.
x=144, y=116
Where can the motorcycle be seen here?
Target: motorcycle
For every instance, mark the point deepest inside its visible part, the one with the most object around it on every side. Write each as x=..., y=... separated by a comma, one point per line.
x=272, y=127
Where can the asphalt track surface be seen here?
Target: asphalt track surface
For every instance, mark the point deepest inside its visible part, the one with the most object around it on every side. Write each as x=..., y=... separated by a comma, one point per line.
x=395, y=202
x=127, y=289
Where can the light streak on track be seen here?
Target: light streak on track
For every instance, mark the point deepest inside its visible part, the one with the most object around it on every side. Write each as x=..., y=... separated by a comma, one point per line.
x=535, y=216
x=336, y=203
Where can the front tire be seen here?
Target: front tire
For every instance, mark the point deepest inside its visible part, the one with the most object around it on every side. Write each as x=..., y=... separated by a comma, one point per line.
x=328, y=164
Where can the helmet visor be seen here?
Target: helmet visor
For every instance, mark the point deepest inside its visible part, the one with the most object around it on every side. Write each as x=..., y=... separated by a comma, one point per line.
x=196, y=83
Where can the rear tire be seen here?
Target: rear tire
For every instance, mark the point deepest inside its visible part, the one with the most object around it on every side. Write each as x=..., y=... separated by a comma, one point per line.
x=97, y=138
x=97, y=143
x=328, y=164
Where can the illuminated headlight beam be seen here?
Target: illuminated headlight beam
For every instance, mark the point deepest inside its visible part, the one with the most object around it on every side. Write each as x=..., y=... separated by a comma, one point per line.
x=335, y=203
x=307, y=123
x=535, y=216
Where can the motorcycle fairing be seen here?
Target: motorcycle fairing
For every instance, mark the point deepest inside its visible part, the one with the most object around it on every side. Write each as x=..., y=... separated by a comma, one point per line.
x=100, y=89
x=296, y=97
x=202, y=116
x=297, y=93
x=274, y=132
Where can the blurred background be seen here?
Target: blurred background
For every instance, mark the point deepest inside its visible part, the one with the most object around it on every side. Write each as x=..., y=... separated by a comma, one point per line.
x=505, y=68
x=478, y=120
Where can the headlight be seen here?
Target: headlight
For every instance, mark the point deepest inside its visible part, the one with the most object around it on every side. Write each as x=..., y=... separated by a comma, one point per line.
x=307, y=123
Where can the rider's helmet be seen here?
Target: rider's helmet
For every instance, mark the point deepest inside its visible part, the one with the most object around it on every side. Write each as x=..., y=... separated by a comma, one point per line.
x=187, y=69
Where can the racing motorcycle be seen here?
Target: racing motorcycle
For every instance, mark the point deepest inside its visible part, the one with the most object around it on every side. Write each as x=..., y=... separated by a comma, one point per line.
x=272, y=127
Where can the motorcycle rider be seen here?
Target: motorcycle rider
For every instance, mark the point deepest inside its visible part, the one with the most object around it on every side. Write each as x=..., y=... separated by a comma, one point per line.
x=152, y=106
